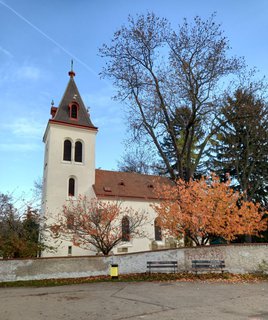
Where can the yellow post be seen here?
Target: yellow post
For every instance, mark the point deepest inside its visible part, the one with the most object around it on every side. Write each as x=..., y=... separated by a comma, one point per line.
x=114, y=271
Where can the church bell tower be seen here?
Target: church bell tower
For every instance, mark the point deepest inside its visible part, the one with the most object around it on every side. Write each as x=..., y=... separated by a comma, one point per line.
x=69, y=162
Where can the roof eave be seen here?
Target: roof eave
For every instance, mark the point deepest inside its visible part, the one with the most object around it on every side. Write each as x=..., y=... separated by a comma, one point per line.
x=109, y=196
x=63, y=123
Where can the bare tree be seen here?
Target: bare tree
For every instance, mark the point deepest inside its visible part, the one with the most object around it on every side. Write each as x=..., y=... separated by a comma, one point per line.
x=138, y=159
x=159, y=72
x=103, y=225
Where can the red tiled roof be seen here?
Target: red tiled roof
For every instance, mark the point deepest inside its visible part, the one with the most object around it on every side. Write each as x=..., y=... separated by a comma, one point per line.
x=126, y=184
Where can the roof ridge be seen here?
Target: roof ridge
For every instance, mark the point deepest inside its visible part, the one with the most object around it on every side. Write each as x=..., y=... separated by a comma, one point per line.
x=136, y=173
x=71, y=79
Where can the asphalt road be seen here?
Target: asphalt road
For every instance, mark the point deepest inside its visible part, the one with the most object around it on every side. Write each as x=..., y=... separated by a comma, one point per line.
x=141, y=300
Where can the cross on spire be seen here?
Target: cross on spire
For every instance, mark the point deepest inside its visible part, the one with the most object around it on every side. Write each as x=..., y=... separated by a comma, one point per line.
x=72, y=73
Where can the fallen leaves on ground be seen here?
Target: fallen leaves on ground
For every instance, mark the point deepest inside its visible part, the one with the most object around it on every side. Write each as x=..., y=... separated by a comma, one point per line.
x=139, y=277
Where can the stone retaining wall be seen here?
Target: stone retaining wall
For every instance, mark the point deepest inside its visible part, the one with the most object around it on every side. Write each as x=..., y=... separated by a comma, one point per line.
x=238, y=259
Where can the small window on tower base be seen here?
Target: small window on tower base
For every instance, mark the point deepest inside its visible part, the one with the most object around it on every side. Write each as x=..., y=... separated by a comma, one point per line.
x=71, y=187
x=70, y=250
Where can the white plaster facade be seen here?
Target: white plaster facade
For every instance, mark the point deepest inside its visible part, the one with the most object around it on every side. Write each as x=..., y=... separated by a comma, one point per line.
x=57, y=173
x=137, y=244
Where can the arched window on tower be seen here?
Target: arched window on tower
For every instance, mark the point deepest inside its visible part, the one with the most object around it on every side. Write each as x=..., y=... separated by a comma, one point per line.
x=125, y=229
x=71, y=187
x=73, y=107
x=157, y=230
x=67, y=150
x=74, y=111
x=78, y=155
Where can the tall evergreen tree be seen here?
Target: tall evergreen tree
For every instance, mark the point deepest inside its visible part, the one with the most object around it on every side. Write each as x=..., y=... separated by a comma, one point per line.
x=19, y=235
x=241, y=147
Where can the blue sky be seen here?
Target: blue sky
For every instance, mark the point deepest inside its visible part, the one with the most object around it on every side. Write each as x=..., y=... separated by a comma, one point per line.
x=38, y=39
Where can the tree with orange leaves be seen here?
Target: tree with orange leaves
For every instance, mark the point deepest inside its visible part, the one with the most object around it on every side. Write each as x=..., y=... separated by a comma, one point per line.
x=207, y=208
x=92, y=222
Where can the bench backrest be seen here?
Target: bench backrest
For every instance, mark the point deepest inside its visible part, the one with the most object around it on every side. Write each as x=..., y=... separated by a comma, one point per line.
x=173, y=263
x=208, y=264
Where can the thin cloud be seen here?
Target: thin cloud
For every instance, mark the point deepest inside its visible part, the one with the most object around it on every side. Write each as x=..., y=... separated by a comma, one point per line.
x=23, y=127
x=12, y=72
x=28, y=73
x=6, y=52
x=101, y=98
x=103, y=122
x=103, y=110
x=57, y=44
x=98, y=100
x=19, y=147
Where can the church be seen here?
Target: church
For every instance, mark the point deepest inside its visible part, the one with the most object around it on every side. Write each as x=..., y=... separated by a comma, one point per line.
x=69, y=171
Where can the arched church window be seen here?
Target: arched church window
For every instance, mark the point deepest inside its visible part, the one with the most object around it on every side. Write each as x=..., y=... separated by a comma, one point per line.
x=78, y=155
x=74, y=111
x=125, y=229
x=67, y=150
x=157, y=230
x=71, y=187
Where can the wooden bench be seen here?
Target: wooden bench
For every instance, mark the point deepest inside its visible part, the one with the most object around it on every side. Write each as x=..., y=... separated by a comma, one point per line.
x=160, y=265
x=208, y=265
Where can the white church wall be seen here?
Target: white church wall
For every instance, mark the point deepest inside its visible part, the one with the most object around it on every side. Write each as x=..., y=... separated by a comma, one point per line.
x=60, y=170
x=57, y=173
x=136, y=244
x=55, y=194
